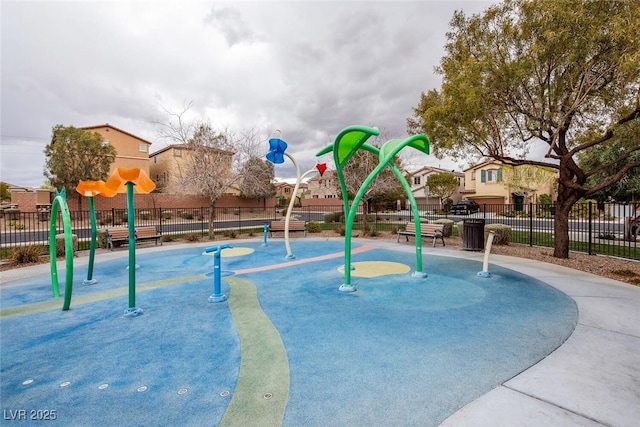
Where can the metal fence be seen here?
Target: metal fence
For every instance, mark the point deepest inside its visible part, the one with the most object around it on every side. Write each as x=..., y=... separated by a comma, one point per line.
x=612, y=230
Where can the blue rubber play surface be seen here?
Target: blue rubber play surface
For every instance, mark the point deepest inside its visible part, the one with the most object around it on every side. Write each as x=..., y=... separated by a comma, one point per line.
x=398, y=351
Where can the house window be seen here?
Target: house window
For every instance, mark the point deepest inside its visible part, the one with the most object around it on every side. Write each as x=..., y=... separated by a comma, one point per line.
x=286, y=190
x=491, y=175
x=142, y=148
x=155, y=159
x=177, y=152
x=416, y=180
x=105, y=142
x=473, y=175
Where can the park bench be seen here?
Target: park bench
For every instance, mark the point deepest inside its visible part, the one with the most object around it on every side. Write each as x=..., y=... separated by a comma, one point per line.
x=276, y=226
x=426, y=230
x=121, y=235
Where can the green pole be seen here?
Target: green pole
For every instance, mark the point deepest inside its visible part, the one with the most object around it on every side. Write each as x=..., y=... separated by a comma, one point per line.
x=416, y=220
x=52, y=247
x=92, y=248
x=349, y=226
x=132, y=246
x=60, y=202
x=412, y=201
x=388, y=151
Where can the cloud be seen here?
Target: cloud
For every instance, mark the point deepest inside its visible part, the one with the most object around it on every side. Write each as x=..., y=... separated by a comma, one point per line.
x=307, y=68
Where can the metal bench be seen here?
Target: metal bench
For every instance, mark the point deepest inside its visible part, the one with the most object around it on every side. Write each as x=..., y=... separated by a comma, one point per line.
x=276, y=226
x=121, y=235
x=426, y=230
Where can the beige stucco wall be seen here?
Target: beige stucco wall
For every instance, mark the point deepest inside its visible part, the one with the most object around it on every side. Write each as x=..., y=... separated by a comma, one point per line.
x=127, y=147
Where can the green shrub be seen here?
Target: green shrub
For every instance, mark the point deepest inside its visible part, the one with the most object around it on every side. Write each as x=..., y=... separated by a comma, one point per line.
x=232, y=234
x=192, y=237
x=60, y=244
x=101, y=238
x=166, y=215
x=448, y=226
x=27, y=254
x=313, y=227
x=502, y=233
x=144, y=214
x=168, y=237
x=186, y=214
x=333, y=217
x=342, y=230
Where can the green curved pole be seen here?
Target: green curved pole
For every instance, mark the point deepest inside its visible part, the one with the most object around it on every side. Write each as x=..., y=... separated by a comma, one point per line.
x=132, y=248
x=344, y=147
x=60, y=202
x=92, y=248
x=388, y=151
x=414, y=207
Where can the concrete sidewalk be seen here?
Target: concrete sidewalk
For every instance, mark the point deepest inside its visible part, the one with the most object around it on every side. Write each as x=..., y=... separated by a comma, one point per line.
x=593, y=379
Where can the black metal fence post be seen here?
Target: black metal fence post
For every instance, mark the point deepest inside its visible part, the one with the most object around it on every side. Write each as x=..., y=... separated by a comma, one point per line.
x=202, y=220
x=590, y=228
x=530, y=224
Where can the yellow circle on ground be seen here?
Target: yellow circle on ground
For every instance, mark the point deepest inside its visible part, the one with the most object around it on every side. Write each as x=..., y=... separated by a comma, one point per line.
x=376, y=268
x=229, y=252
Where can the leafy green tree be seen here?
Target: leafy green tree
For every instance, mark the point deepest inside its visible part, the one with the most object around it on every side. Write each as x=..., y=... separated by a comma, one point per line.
x=5, y=194
x=627, y=189
x=75, y=154
x=442, y=185
x=562, y=75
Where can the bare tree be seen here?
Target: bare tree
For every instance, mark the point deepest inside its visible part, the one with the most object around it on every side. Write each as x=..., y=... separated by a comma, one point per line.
x=257, y=179
x=212, y=162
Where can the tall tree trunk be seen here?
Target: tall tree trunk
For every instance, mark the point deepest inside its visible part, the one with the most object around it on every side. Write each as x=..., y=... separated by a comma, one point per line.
x=561, y=230
x=365, y=211
x=212, y=219
x=567, y=197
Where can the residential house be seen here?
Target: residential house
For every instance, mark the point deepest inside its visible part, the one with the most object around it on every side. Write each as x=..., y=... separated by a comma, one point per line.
x=493, y=183
x=323, y=186
x=131, y=151
x=284, y=191
x=168, y=165
x=418, y=183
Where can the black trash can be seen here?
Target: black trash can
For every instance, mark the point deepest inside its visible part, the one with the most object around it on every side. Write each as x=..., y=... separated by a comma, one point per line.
x=473, y=234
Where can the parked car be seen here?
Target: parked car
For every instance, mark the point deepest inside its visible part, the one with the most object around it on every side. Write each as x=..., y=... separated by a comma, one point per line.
x=465, y=207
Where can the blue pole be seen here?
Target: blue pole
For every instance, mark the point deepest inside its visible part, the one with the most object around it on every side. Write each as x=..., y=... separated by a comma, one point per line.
x=217, y=295
x=266, y=229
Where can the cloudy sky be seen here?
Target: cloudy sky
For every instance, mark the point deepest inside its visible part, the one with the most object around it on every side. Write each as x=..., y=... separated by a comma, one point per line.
x=307, y=68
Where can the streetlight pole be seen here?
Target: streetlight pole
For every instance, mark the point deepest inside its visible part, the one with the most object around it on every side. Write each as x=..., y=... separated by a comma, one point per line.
x=426, y=196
